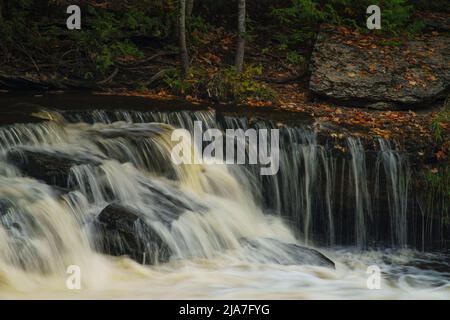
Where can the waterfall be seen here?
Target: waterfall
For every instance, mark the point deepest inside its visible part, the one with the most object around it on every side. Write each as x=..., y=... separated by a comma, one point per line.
x=330, y=200
x=199, y=211
x=31, y=134
x=122, y=158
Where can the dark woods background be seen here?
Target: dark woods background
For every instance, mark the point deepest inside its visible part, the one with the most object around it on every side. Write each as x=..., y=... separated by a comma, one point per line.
x=135, y=42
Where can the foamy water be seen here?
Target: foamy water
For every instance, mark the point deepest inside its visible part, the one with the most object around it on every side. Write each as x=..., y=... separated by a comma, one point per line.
x=226, y=278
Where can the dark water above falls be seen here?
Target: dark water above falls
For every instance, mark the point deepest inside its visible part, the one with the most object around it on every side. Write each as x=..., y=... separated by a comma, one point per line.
x=360, y=209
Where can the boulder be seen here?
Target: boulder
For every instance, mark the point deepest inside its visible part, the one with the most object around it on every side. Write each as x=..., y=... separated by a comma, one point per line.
x=383, y=77
x=275, y=251
x=122, y=231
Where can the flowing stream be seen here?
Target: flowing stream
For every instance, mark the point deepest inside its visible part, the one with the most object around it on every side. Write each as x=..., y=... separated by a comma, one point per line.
x=359, y=210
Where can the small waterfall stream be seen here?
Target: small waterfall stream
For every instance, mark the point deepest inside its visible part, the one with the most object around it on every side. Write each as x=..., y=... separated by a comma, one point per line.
x=216, y=220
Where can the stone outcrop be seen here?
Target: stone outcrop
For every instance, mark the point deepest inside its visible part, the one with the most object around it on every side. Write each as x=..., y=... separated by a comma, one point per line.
x=383, y=77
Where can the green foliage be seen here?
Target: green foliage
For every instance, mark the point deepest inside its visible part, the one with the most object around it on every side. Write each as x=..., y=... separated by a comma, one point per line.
x=438, y=179
x=396, y=13
x=438, y=188
x=303, y=16
x=228, y=84
x=16, y=30
x=191, y=84
x=140, y=87
x=396, y=17
x=300, y=18
x=391, y=43
x=105, y=37
x=138, y=22
x=225, y=85
x=198, y=24
x=441, y=118
x=295, y=58
x=197, y=27
x=306, y=11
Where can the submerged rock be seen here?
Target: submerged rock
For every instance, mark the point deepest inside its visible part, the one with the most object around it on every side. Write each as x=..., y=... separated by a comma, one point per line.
x=5, y=205
x=274, y=251
x=170, y=203
x=122, y=231
x=52, y=168
x=143, y=152
x=413, y=74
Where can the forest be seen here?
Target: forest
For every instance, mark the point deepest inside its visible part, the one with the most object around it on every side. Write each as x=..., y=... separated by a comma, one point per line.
x=140, y=39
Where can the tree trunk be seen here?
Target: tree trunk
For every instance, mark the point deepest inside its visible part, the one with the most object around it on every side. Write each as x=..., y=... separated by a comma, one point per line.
x=189, y=7
x=183, y=47
x=1, y=12
x=239, y=63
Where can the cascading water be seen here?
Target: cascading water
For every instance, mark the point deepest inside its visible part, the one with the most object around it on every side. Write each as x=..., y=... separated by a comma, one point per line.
x=362, y=200
x=398, y=184
x=229, y=230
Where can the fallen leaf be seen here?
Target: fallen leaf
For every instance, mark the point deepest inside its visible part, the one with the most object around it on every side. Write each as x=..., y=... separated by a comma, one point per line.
x=440, y=155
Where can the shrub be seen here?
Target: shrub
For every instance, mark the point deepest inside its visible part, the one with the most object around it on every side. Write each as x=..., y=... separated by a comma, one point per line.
x=231, y=85
x=441, y=119
x=303, y=16
x=225, y=85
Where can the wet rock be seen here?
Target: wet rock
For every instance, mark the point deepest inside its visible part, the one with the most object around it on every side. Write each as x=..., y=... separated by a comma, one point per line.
x=408, y=76
x=136, y=149
x=274, y=251
x=122, y=231
x=52, y=168
x=139, y=131
x=5, y=205
x=169, y=203
x=135, y=143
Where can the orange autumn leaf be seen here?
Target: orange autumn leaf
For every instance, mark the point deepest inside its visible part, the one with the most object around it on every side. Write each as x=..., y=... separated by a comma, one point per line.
x=440, y=155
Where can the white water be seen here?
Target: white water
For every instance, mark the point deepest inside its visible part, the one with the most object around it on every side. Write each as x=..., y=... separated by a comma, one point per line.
x=42, y=233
